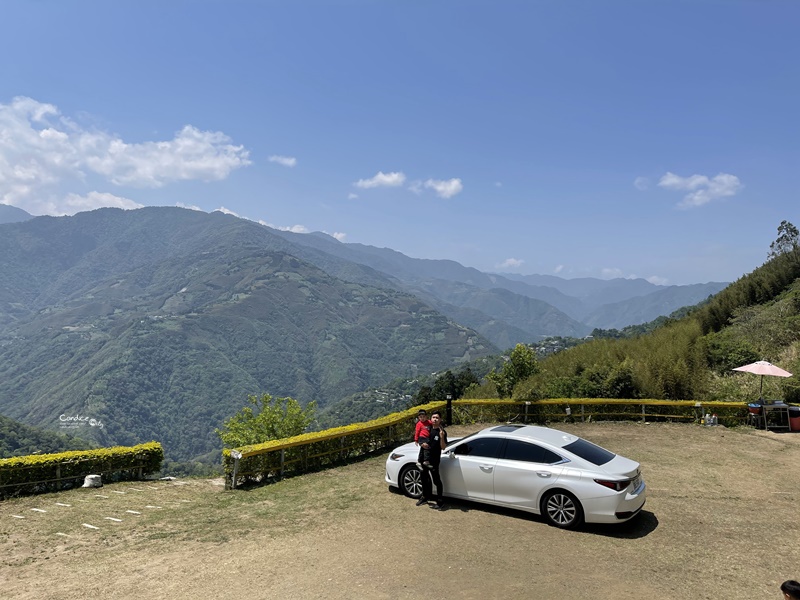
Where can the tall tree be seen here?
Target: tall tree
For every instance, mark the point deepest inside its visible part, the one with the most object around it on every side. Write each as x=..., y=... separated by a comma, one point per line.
x=520, y=365
x=266, y=418
x=787, y=240
x=445, y=386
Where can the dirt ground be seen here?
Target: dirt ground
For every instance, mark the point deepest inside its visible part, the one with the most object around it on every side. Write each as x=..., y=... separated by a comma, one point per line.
x=721, y=521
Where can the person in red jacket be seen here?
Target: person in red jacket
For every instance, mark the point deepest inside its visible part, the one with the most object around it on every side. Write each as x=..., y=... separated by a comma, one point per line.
x=421, y=436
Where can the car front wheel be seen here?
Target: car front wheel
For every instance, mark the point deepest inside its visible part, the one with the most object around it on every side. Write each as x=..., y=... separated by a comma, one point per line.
x=562, y=509
x=411, y=481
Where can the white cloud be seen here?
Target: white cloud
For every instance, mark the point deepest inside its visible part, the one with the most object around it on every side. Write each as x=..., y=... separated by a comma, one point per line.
x=656, y=280
x=191, y=155
x=339, y=236
x=352, y=196
x=295, y=229
x=286, y=161
x=445, y=188
x=382, y=179
x=498, y=184
x=558, y=269
x=292, y=228
x=189, y=206
x=702, y=188
x=510, y=263
x=43, y=154
x=615, y=273
x=226, y=211
x=641, y=183
x=94, y=200
x=676, y=182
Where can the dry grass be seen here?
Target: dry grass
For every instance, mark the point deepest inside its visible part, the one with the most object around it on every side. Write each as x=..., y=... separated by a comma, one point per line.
x=720, y=522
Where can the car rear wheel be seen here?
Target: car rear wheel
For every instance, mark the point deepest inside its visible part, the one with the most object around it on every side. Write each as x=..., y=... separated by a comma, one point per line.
x=562, y=509
x=411, y=481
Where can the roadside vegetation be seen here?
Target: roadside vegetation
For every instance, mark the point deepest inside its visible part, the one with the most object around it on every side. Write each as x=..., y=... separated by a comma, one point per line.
x=688, y=358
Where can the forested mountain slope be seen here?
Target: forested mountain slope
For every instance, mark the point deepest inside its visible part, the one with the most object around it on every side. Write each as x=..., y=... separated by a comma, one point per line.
x=160, y=322
x=18, y=439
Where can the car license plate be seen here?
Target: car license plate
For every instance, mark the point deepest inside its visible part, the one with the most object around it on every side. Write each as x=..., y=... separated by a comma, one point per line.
x=636, y=481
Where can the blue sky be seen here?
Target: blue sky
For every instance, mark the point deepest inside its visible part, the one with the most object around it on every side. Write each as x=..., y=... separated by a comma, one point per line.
x=639, y=138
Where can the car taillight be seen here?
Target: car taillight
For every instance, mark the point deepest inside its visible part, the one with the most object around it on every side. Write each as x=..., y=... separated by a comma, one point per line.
x=617, y=486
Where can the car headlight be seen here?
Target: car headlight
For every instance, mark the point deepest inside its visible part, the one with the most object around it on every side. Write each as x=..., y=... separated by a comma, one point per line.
x=395, y=456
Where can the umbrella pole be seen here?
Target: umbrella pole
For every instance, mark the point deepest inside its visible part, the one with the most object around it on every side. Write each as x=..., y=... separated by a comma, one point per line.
x=760, y=389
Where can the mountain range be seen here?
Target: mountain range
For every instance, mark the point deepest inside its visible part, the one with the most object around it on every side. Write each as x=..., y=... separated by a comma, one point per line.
x=157, y=323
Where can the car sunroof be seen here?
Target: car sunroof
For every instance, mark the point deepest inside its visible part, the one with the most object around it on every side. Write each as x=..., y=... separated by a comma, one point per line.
x=507, y=428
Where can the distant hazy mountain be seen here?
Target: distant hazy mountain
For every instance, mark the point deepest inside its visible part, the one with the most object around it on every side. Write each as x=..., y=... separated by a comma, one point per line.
x=12, y=214
x=593, y=291
x=643, y=309
x=579, y=303
x=502, y=316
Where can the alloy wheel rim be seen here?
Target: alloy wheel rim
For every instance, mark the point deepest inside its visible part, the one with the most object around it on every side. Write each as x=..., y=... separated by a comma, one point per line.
x=561, y=509
x=413, y=482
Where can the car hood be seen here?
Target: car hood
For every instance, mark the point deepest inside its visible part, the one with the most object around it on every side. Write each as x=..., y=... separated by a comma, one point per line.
x=406, y=448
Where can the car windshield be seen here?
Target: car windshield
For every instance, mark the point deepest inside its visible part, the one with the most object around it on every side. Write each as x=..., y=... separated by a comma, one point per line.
x=588, y=451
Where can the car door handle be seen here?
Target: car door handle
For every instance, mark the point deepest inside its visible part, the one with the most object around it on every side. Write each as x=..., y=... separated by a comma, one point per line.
x=543, y=473
x=486, y=468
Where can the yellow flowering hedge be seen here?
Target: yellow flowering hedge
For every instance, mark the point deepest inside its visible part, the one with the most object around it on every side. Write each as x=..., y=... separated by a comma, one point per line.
x=43, y=470
x=320, y=449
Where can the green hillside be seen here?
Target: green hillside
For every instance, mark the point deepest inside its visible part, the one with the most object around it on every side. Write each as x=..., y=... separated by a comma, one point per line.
x=160, y=322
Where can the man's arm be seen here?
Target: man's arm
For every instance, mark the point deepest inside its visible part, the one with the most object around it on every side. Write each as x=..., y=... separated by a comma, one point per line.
x=443, y=438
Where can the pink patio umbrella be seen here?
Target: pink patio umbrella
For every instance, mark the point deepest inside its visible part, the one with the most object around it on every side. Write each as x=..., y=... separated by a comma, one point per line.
x=762, y=367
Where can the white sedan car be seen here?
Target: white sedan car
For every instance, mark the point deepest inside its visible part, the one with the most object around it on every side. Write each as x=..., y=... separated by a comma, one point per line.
x=561, y=476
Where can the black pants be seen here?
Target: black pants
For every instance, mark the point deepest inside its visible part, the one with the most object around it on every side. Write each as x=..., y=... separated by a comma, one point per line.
x=428, y=480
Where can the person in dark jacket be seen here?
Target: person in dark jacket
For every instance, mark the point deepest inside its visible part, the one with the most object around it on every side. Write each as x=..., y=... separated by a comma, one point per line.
x=436, y=442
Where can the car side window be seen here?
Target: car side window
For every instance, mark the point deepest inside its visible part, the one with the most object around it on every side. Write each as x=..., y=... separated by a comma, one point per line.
x=482, y=446
x=527, y=452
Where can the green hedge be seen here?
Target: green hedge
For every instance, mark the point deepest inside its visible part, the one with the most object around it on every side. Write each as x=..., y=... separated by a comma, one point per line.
x=321, y=449
x=42, y=472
